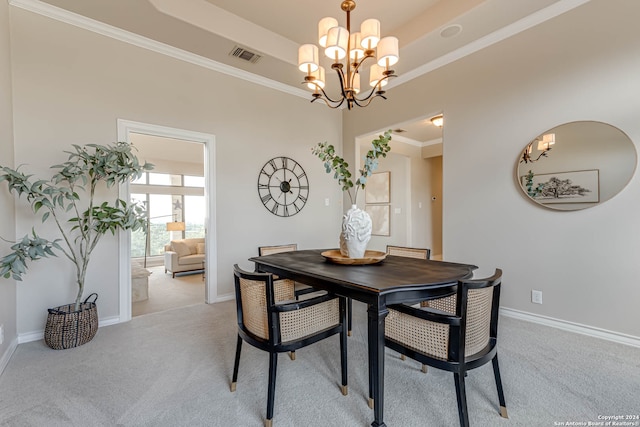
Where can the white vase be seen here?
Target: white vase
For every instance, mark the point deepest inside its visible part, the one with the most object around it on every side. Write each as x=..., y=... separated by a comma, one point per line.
x=356, y=233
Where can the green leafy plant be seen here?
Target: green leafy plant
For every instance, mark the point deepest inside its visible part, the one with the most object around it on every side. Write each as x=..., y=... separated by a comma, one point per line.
x=68, y=198
x=529, y=185
x=332, y=162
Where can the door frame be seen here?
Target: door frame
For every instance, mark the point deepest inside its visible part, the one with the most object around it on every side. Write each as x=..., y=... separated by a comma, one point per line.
x=125, y=128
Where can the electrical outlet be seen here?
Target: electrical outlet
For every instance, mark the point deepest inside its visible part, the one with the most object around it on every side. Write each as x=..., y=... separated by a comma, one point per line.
x=1, y=334
x=536, y=296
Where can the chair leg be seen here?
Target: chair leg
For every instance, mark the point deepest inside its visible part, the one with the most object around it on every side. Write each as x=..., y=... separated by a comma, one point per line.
x=496, y=374
x=292, y=355
x=462, y=399
x=236, y=365
x=343, y=359
x=349, y=316
x=271, y=394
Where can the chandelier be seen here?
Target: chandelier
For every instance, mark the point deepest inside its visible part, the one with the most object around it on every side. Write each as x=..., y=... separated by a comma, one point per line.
x=339, y=43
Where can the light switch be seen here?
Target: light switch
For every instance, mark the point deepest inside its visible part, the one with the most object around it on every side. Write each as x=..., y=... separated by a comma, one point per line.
x=326, y=201
x=397, y=210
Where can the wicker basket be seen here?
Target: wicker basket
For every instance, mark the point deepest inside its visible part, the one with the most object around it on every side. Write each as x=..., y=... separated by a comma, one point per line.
x=68, y=328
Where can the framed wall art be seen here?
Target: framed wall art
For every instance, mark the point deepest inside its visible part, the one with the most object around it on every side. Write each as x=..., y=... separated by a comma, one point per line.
x=380, y=220
x=566, y=187
x=377, y=189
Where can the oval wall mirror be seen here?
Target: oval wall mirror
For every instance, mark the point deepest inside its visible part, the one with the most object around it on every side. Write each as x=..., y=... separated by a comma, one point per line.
x=576, y=165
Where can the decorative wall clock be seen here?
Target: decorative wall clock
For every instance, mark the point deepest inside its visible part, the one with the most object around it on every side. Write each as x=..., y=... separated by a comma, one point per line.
x=283, y=186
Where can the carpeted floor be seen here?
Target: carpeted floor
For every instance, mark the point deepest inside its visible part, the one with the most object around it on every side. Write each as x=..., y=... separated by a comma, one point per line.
x=166, y=292
x=173, y=369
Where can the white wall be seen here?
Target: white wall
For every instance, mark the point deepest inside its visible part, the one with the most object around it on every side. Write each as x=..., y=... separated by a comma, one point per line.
x=7, y=225
x=582, y=65
x=71, y=85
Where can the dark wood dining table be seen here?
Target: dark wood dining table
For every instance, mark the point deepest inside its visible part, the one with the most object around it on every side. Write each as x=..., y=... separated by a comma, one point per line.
x=394, y=280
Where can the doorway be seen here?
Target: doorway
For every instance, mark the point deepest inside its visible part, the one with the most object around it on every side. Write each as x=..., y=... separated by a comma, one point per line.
x=415, y=166
x=182, y=205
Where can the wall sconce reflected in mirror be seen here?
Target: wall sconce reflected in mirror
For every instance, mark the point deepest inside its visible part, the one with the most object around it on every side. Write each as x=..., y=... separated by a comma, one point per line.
x=544, y=145
x=547, y=141
x=438, y=120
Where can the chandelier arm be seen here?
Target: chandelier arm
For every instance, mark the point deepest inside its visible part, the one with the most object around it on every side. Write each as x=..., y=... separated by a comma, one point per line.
x=342, y=81
x=362, y=103
x=373, y=90
x=358, y=64
x=324, y=94
x=326, y=102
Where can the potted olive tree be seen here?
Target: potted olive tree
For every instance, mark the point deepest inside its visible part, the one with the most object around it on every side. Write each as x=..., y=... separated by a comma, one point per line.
x=68, y=199
x=356, y=223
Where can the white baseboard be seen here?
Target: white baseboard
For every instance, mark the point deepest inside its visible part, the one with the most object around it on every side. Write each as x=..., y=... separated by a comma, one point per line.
x=108, y=321
x=4, y=360
x=30, y=336
x=39, y=335
x=225, y=297
x=572, y=327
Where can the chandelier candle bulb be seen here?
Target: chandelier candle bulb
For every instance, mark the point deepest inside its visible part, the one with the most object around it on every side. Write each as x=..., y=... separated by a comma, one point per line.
x=323, y=28
x=356, y=83
x=355, y=44
x=337, y=43
x=318, y=79
x=388, y=52
x=308, y=58
x=375, y=76
x=370, y=30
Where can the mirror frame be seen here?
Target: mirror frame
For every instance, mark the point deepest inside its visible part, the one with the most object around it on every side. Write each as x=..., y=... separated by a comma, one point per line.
x=582, y=167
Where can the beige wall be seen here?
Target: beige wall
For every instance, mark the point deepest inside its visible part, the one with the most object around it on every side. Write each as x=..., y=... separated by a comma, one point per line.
x=582, y=65
x=72, y=85
x=7, y=225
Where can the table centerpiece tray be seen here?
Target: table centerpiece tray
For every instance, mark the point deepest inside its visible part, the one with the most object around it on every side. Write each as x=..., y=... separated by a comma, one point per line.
x=370, y=257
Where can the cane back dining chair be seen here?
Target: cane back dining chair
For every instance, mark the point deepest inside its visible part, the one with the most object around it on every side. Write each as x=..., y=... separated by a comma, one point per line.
x=301, y=288
x=270, y=319
x=453, y=342
x=419, y=253
x=408, y=252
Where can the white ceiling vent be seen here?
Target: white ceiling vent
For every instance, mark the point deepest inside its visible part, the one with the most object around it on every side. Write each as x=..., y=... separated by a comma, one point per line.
x=247, y=55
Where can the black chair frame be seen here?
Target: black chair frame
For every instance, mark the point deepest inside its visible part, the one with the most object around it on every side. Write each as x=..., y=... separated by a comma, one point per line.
x=274, y=345
x=456, y=361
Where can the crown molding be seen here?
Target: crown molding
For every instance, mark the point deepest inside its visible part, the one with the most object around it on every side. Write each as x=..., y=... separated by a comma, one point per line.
x=101, y=28
x=53, y=12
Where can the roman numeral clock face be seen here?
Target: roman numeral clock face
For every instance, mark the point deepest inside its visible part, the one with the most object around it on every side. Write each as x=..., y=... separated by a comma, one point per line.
x=283, y=186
